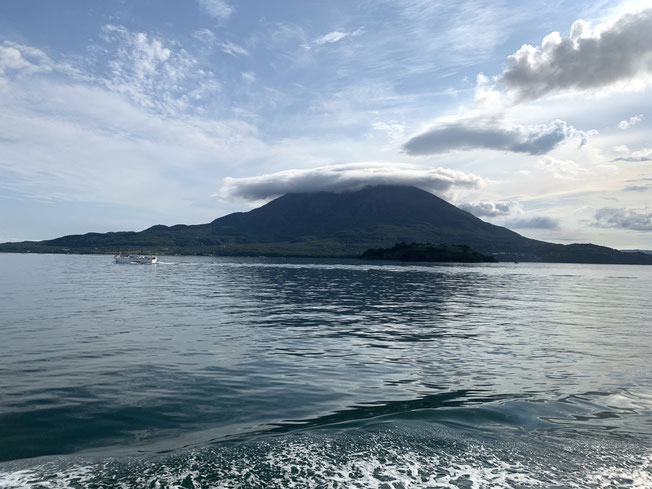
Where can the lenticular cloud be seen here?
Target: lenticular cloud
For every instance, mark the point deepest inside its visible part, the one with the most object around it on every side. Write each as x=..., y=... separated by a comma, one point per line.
x=489, y=133
x=348, y=177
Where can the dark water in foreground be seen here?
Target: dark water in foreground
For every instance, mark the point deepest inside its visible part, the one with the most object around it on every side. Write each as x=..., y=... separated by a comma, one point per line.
x=210, y=372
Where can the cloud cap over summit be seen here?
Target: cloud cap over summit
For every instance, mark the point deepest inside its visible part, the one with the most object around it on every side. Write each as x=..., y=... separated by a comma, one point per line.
x=346, y=177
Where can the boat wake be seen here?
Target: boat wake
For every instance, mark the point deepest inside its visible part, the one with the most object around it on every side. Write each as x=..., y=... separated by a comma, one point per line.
x=135, y=259
x=394, y=458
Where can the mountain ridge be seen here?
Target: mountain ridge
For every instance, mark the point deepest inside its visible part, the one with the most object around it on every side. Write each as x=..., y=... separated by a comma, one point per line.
x=330, y=224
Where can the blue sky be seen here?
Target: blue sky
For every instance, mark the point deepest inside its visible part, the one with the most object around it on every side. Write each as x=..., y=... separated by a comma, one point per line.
x=119, y=115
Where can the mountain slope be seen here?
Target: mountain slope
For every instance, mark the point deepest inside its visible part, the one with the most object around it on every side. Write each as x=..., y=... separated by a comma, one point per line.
x=336, y=224
x=380, y=213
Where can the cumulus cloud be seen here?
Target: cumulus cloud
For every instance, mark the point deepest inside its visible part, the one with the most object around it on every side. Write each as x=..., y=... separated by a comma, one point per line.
x=490, y=133
x=588, y=59
x=561, y=169
x=535, y=222
x=216, y=8
x=335, y=36
x=609, y=217
x=489, y=209
x=632, y=121
x=347, y=177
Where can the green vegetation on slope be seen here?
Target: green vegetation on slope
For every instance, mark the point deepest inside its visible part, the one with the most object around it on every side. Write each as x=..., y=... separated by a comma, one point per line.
x=427, y=252
x=328, y=224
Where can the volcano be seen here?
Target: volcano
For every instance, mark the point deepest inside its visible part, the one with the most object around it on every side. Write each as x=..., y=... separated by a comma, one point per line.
x=330, y=224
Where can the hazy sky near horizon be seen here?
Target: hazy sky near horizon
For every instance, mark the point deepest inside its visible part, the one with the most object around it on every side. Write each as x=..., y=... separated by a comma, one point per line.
x=119, y=115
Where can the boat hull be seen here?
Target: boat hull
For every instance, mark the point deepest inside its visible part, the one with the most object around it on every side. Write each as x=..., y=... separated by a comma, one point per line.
x=136, y=259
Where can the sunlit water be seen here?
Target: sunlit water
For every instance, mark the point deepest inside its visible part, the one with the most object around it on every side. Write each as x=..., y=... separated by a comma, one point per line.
x=223, y=372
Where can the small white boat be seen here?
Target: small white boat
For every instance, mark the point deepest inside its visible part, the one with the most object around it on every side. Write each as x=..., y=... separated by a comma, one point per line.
x=137, y=259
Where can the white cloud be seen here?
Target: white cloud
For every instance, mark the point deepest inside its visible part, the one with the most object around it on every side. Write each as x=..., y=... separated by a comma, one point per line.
x=331, y=37
x=609, y=217
x=208, y=37
x=217, y=8
x=588, y=59
x=395, y=130
x=205, y=35
x=486, y=94
x=346, y=177
x=84, y=140
x=233, y=49
x=249, y=76
x=534, y=222
x=638, y=188
x=156, y=74
x=490, y=209
x=490, y=133
x=18, y=58
x=561, y=169
x=640, y=156
x=70, y=136
x=84, y=143
x=445, y=30
x=632, y=121
x=336, y=36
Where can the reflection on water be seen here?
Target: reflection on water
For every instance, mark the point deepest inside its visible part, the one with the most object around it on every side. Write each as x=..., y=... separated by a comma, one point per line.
x=208, y=357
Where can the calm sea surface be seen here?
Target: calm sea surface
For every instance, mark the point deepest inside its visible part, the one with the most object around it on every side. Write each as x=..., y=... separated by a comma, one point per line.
x=224, y=372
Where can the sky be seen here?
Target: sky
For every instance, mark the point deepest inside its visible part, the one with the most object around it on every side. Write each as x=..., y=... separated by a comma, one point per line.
x=119, y=115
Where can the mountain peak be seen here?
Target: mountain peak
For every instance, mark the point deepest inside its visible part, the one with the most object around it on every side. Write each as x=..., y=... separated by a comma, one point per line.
x=337, y=224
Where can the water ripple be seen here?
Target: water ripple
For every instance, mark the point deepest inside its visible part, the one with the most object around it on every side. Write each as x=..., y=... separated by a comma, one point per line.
x=128, y=360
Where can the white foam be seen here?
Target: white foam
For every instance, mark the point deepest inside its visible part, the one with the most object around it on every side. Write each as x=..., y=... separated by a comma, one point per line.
x=366, y=462
x=636, y=475
x=47, y=477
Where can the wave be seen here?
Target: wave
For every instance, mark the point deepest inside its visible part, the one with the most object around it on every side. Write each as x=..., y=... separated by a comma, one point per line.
x=390, y=458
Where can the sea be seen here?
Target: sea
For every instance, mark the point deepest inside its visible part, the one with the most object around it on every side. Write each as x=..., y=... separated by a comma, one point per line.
x=214, y=372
